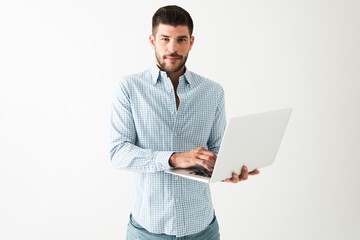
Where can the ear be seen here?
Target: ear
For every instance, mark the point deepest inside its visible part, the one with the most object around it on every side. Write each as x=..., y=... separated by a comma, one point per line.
x=191, y=42
x=152, y=41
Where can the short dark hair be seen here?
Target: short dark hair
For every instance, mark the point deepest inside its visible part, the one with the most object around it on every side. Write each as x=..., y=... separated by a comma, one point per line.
x=172, y=15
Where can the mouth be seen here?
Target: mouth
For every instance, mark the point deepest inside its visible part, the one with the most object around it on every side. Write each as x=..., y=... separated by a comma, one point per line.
x=173, y=59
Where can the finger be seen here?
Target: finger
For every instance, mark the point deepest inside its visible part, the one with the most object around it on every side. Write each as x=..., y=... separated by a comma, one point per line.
x=208, y=159
x=244, y=173
x=254, y=172
x=204, y=164
x=235, y=177
x=208, y=156
x=229, y=180
x=207, y=152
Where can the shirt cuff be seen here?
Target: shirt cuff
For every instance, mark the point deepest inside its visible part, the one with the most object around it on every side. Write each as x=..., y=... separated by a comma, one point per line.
x=162, y=159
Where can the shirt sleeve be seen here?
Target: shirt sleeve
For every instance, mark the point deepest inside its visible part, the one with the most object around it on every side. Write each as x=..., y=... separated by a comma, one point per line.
x=124, y=154
x=218, y=127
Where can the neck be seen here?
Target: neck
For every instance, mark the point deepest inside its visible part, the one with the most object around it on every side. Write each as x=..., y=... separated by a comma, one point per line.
x=174, y=76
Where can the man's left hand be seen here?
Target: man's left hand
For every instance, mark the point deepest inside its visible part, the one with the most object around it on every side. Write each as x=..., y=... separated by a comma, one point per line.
x=243, y=176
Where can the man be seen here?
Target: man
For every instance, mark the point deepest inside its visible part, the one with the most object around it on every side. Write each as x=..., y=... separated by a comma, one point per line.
x=168, y=116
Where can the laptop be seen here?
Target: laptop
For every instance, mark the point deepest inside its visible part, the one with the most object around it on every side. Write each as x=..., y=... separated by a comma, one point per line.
x=251, y=140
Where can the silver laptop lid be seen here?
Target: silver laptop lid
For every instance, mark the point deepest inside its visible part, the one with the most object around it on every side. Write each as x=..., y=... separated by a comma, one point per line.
x=251, y=140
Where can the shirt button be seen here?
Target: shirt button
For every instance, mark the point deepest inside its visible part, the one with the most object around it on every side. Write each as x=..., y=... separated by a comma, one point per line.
x=175, y=134
x=176, y=178
x=169, y=91
x=172, y=112
x=177, y=200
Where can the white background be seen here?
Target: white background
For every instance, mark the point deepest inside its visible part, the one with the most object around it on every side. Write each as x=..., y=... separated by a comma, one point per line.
x=60, y=60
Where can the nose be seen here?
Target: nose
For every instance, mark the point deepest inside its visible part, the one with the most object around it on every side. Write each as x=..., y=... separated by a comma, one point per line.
x=172, y=46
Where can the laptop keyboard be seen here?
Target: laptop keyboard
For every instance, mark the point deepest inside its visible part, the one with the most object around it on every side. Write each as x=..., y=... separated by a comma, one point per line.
x=202, y=172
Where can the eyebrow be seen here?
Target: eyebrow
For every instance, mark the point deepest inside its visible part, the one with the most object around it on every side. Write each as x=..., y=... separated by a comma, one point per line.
x=183, y=36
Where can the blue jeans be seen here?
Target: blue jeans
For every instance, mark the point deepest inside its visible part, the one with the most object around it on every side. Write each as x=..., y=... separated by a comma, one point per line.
x=136, y=232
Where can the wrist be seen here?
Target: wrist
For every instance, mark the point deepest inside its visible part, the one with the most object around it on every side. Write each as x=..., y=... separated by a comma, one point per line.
x=172, y=160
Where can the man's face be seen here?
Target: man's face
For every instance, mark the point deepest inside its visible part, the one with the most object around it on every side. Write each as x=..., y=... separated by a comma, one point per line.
x=172, y=46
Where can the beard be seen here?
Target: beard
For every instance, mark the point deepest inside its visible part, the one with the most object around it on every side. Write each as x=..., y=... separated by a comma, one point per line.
x=171, y=67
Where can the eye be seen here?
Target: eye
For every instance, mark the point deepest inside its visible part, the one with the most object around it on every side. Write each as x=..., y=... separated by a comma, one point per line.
x=164, y=39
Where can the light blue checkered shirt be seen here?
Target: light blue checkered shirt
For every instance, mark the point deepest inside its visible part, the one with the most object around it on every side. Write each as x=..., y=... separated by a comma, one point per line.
x=146, y=128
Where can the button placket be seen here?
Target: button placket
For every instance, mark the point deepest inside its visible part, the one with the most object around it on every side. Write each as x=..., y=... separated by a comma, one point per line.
x=170, y=90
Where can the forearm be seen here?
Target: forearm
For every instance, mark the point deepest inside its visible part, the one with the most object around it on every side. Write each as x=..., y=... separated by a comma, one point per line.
x=124, y=153
x=131, y=157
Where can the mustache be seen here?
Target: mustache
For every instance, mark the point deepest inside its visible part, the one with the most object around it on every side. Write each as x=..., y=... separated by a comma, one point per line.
x=173, y=55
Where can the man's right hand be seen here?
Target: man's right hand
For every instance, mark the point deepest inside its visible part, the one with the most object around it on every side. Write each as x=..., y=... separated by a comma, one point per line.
x=198, y=156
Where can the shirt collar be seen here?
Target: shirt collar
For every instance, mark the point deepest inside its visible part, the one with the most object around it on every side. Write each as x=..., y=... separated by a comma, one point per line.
x=157, y=74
